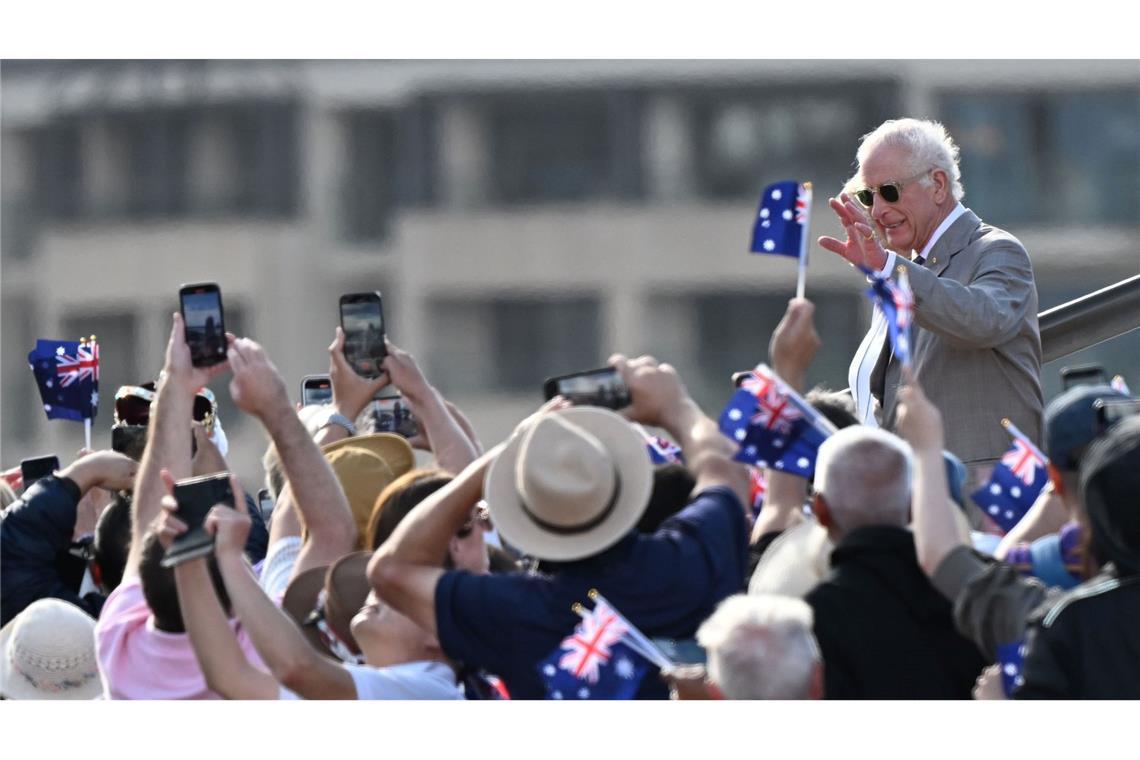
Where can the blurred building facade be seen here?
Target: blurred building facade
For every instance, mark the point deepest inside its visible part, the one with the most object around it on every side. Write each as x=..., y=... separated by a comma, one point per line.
x=521, y=219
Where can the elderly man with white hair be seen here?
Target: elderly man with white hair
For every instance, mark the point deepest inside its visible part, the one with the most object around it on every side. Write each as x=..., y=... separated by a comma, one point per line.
x=975, y=343
x=761, y=647
x=885, y=632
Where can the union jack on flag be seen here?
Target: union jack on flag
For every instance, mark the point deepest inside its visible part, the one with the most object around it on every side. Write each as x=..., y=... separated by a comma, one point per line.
x=1016, y=482
x=897, y=303
x=661, y=450
x=757, y=488
x=67, y=374
x=763, y=417
x=782, y=220
x=594, y=662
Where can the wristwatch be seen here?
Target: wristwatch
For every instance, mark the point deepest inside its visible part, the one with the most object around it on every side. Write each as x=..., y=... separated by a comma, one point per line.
x=336, y=418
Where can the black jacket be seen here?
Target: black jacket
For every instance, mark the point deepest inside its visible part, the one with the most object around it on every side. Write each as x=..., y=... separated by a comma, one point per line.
x=883, y=629
x=1086, y=645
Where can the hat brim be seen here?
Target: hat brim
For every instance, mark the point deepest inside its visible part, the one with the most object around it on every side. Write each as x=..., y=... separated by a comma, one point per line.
x=625, y=447
x=396, y=452
x=300, y=599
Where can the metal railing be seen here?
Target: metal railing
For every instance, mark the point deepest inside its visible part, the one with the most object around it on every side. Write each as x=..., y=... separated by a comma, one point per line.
x=1090, y=319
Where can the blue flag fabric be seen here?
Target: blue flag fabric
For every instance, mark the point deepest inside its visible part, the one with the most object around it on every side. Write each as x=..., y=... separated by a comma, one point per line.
x=67, y=373
x=1016, y=481
x=767, y=423
x=897, y=302
x=1010, y=658
x=800, y=458
x=595, y=661
x=781, y=221
x=661, y=450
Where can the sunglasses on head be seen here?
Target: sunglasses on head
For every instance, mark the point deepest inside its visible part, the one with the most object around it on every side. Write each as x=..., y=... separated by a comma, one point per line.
x=888, y=191
x=132, y=406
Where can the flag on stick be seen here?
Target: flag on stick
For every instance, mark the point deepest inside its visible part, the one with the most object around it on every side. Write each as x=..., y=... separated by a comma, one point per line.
x=67, y=374
x=783, y=224
x=896, y=300
x=1016, y=482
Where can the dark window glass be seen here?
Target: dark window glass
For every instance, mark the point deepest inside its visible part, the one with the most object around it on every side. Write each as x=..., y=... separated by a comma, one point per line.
x=157, y=153
x=564, y=147
x=746, y=139
x=59, y=170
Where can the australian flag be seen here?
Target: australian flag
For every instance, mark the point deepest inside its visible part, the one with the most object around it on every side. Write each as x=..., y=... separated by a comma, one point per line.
x=763, y=418
x=67, y=373
x=897, y=302
x=757, y=490
x=1014, y=485
x=595, y=661
x=800, y=458
x=661, y=450
x=782, y=221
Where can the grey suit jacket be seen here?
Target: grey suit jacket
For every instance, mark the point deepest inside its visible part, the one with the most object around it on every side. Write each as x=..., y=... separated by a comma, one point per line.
x=975, y=344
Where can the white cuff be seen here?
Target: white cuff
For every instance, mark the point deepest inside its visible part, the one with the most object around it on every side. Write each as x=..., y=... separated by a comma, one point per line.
x=889, y=266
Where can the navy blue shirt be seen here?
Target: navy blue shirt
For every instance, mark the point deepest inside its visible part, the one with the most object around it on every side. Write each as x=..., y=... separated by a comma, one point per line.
x=666, y=583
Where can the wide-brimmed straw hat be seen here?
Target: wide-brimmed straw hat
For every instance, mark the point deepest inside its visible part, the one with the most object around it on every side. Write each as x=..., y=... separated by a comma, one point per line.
x=324, y=600
x=48, y=652
x=365, y=465
x=570, y=485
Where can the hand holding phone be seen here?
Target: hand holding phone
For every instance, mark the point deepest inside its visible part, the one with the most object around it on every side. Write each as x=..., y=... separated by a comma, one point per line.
x=196, y=497
x=362, y=319
x=595, y=387
x=393, y=415
x=203, y=322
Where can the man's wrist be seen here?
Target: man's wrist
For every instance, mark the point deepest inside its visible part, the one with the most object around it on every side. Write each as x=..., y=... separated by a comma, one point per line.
x=679, y=423
x=335, y=417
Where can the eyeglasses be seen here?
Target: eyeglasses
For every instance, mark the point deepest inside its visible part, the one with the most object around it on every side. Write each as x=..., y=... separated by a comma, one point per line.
x=888, y=191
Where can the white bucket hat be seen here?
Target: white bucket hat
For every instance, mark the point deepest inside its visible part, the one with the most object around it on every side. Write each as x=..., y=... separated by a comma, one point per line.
x=570, y=485
x=48, y=652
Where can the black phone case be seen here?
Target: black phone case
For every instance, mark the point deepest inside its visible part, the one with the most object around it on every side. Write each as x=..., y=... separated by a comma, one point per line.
x=208, y=349
x=196, y=497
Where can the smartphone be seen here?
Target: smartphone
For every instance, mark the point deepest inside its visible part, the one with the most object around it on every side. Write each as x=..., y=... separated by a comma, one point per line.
x=1083, y=374
x=204, y=322
x=35, y=468
x=265, y=504
x=1109, y=411
x=316, y=389
x=393, y=415
x=594, y=387
x=196, y=497
x=362, y=319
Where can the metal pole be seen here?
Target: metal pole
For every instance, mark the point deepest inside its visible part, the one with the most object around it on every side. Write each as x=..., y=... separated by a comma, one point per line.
x=1091, y=319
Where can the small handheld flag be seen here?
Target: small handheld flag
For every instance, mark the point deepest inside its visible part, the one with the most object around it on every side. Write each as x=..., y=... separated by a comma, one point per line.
x=897, y=303
x=1120, y=386
x=67, y=374
x=1010, y=658
x=601, y=659
x=773, y=426
x=783, y=224
x=1016, y=481
x=661, y=450
x=757, y=489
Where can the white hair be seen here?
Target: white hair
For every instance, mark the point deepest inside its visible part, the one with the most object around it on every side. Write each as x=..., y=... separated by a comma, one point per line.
x=864, y=475
x=927, y=143
x=760, y=647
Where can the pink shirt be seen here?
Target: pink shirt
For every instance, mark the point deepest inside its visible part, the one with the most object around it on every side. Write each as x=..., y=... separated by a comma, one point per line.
x=137, y=661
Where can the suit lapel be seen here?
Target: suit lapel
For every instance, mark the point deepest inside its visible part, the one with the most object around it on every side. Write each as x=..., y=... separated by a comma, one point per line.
x=955, y=239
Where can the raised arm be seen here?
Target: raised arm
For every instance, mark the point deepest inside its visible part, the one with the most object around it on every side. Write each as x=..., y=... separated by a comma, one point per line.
x=168, y=435
x=450, y=444
x=791, y=350
x=257, y=389
x=936, y=531
x=224, y=665
x=290, y=658
x=660, y=399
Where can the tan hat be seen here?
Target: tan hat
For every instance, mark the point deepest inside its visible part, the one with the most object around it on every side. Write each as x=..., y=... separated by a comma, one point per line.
x=365, y=465
x=571, y=484
x=326, y=599
x=48, y=652
x=794, y=563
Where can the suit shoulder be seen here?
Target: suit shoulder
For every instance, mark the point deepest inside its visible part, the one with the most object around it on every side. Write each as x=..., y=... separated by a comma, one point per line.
x=995, y=238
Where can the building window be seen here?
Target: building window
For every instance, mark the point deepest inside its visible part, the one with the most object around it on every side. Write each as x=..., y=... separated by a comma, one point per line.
x=511, y=345
x=390, y=164
x=746, y=139
x=59, y=170
x=565, y=147
x=1068, y=158
x=157, y=150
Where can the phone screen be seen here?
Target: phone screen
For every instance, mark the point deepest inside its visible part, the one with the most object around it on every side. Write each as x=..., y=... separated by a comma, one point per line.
x=316, y=389
x=596, y=387
x=205, y=328
x=32, y=470
x=393, y=415
x=363, y=323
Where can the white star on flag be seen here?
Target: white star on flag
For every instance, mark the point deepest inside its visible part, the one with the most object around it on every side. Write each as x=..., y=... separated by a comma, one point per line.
x=1015, y=492
x=624, y=668
x=740, y=434
x=769, y=245
x=803, y=462
x=787, y=214
x=50, y=384
x=995, y=489
x=764, y=213
x=735, y=414
x=95, y=398
x=59, y=351
x=777, y=194
x=583, y=693
x=550, y=670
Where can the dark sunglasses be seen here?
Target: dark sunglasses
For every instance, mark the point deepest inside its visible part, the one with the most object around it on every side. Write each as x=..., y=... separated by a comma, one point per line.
x=888, y=191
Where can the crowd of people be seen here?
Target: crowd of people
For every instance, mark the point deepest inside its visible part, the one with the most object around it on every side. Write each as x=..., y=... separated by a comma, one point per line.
x=562, y=563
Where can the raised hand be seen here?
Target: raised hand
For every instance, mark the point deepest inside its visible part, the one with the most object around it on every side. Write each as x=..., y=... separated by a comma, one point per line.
x=794, y=343
x=862, y=247
x=351, y=392
x=257, y=387
x=178, y=367
x=229, y=527
x=656, y=390
x=405, y=373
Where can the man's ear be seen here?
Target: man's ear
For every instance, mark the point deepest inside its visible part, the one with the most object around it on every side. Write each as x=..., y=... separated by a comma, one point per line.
x=941, y=186
x=820, y=510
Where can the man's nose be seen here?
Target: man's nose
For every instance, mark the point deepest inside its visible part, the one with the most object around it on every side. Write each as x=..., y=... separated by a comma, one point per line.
x=878, y=207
